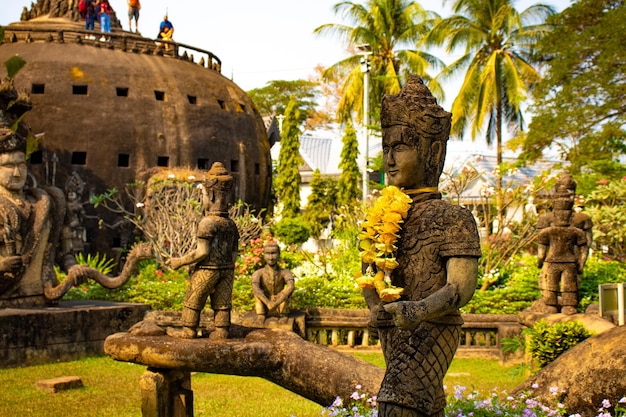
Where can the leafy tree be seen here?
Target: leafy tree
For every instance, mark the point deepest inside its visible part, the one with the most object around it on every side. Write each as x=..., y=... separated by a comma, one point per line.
x=606, y=206
x=348, y=186
x=321, y=203
x=579, y=104
x=499, y=43
x=391, y=28
x=275, y=96
x=287, y=181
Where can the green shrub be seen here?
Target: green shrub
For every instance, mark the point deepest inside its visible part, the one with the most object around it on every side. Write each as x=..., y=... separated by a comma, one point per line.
x=243, y=297
x=317, y=291
x=596, y=272
x=162, y=289
x=291, y=231
x=518, y=291
x=547, y=341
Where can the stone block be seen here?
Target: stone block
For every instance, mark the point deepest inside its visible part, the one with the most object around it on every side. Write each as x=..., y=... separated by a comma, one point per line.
x=60, y=384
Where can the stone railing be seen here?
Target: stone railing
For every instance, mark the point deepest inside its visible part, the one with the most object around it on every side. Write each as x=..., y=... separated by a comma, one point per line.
x=482, y=333
x=125, y=41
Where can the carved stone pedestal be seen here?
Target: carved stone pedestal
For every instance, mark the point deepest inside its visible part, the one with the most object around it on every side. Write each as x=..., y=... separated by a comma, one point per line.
x=166, y=393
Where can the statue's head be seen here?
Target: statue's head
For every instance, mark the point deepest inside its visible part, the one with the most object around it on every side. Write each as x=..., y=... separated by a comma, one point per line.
x=564, y=192
x=13, y=172
x=217, y=183
x=415, y=134
x=271, y=252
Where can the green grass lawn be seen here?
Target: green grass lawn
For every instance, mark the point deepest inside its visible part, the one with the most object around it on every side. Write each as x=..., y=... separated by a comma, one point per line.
x=111, y=389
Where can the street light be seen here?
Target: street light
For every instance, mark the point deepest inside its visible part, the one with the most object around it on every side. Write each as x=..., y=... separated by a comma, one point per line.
x=365, y=51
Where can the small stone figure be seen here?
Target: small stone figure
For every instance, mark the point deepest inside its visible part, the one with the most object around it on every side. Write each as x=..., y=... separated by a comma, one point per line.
x=74, y=232
x=272, y=285
x=214, y=258
x=562, y=253
x=437, y=256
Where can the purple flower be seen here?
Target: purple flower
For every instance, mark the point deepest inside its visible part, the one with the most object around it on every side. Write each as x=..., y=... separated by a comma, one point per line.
x=606, y=403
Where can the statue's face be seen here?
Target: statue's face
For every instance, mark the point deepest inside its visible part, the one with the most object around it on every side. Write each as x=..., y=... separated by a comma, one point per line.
x=13, y=170
x=404, y=164
x=271, y=255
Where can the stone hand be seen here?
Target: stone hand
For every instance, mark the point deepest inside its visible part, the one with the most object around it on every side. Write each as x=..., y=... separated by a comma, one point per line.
x=10, y=263
x=174, y=263
x=407, y=315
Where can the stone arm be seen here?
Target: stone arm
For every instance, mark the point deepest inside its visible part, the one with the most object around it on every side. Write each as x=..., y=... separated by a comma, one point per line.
x=286, y=292
x=195, y=256
x=582, y=252
x=462, y=276
x=542, y=250
x=257, y=290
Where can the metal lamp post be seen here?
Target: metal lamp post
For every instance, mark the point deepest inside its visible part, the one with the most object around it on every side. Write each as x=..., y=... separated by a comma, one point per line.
x=366, y=51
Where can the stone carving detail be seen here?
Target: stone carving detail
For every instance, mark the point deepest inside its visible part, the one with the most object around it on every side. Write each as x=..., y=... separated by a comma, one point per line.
x=32, y=221
x=58, y=8
x=272, y=285
x=214, y=259
x=563, y=246
x=437, y=255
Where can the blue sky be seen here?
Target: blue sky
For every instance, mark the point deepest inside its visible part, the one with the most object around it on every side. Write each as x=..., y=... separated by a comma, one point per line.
x=257, y=40
x=260, y=40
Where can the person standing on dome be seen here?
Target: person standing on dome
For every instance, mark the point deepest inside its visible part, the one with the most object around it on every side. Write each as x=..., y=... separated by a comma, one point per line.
x=105, y=11
x=133, y=13
x=90, y=17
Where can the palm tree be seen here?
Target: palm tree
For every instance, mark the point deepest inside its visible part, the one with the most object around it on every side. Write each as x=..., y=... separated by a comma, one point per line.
x=386, y=26
x=499, y=43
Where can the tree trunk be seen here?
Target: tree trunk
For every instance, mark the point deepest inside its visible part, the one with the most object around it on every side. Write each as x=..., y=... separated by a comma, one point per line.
x=315, y=372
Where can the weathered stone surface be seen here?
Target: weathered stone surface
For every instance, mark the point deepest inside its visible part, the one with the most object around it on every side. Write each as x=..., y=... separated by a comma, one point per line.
x=592, y=322
x=589, y=372
x=60, y=384
x=69, y=331
x=312, y=371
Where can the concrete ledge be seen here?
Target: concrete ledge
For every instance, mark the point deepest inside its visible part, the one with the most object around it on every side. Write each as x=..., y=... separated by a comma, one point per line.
x=68, y=331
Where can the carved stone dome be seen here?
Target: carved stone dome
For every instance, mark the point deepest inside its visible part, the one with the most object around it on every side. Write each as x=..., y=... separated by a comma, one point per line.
x=114, y=111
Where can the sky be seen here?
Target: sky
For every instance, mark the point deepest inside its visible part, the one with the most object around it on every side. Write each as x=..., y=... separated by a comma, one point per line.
x=257, y=41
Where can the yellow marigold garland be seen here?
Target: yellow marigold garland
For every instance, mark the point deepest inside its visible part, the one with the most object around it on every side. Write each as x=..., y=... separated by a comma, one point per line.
x=377, y=241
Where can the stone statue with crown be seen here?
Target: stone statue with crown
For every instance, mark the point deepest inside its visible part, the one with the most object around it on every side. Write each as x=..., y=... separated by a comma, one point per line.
x=437, y=256
x=32, y=221
x=563, y=241
x=213, y=259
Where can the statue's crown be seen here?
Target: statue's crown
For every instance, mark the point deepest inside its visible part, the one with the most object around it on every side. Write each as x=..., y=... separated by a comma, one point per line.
x=11, y=141
x=218, y=177
x=565, y=184
x=416, y=108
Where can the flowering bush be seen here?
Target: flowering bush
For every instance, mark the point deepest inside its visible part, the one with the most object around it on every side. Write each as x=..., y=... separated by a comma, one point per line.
x=473, y=405
x=359, y=404
x=527, y=405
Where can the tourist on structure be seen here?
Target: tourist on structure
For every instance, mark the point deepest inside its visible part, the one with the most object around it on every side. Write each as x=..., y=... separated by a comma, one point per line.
x=437, y=259
x=272, y=285
x=133, y=14
x=166, y=31
x=105, y=10
x=90, y=16
x=214, y=258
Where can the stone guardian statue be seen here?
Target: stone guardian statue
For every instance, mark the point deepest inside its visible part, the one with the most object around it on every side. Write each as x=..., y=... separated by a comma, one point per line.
x=214, y=259
x=437, y=255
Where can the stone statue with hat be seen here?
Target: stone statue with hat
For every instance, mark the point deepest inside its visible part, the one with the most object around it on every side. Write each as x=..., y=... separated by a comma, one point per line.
x=437, y=259
x=213, y=259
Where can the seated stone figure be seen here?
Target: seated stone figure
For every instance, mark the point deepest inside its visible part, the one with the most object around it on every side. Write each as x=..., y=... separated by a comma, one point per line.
x=272, y=285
